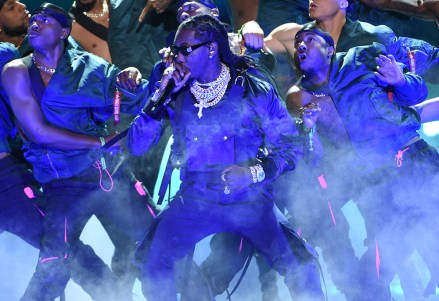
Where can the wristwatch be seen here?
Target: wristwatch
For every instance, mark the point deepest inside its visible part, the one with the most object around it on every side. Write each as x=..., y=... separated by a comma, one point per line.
x=260, y=173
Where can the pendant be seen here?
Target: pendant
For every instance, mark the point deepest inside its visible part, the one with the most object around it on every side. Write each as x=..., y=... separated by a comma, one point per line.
x=226, y=190
x=200, y=110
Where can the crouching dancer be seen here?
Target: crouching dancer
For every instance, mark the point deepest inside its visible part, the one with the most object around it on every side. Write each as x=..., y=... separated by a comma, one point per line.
x=221, y=117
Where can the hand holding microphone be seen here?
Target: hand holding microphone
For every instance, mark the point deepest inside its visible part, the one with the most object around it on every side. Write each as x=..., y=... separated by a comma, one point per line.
x=174, y=77
x=175, y=71
x=170, y=83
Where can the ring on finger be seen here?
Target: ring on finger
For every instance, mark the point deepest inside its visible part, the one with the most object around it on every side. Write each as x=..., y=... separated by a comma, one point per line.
x=226, y=190
x=169, y=71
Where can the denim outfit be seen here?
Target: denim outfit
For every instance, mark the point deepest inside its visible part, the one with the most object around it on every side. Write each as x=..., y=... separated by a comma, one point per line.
x=79, y=98
x=23, y=215
x=228, y=133
x=394, y=170
x=18, y=214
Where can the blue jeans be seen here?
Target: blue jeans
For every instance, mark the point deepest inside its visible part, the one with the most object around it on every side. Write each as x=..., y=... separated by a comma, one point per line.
x=24, y=217
x=399, y=206
x=70, y=203
x=194, y=215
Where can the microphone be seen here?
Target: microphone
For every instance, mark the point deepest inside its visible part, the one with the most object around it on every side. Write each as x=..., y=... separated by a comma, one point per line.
x=158, y=101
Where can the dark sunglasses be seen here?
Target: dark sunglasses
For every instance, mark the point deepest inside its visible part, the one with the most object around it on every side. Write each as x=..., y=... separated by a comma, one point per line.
x=186, y=50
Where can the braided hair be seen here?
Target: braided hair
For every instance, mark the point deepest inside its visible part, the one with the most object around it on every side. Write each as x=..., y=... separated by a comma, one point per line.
x=208, y=28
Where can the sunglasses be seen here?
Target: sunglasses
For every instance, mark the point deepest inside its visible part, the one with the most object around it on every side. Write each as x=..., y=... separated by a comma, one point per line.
x=186, y=50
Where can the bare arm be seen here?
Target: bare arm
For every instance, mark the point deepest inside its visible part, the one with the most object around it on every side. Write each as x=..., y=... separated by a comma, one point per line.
x=303, y=105
x=429, y=110
x=16, y=82
x=296, y=99
x=253, y=35
x=281, y=40
x=423, y=9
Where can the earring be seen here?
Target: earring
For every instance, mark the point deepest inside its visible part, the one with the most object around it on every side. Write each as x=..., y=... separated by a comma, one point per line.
x=211, y=55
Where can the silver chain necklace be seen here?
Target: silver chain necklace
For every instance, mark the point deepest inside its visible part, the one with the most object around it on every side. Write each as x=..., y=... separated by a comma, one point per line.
x=98, y=15
x=42, y=68
x=316, y=94
x=209, y=94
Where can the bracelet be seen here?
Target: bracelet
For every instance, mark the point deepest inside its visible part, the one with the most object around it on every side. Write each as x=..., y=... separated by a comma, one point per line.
x=308, y=130
x=258, y=174
x=254, y=176
x=311, y=138
x=102, y=139
x=156, y=95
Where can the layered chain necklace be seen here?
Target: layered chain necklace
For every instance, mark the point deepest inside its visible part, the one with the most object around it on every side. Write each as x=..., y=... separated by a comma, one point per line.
x=98, y=15
x=42, y=68
x=316, y=94
x=209, y=94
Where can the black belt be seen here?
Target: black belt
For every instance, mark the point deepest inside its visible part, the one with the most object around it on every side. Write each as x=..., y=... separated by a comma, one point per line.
x=416, y=146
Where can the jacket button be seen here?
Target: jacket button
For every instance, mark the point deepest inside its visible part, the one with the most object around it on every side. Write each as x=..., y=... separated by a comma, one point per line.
x=225, y=138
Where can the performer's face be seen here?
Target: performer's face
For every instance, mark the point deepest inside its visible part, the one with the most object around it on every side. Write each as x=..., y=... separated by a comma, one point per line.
x=14, y=18
x=191, y=52
x=311, y=52
x=44, y=31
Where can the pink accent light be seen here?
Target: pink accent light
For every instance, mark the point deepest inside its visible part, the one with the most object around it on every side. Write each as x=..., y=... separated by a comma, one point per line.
x=377, y=259
x=39, y=210
x=29, y=192
x=65, y=229
x=48, y=259
x=322, y=182
x=151, y=211
x=399, y=156
x=332, y=213
x=139, y=188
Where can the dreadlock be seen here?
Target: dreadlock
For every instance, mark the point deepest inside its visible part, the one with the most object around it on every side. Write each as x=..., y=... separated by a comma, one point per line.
x=208, y=28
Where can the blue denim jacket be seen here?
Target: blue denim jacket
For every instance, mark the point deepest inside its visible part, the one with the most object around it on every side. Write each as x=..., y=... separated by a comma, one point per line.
x=426, y=56
x=79, y=98
x=230, y=132
x=377, y=127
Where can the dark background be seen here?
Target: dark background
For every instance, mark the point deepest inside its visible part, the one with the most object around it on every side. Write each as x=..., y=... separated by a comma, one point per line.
x=66, y=4
x=32, y=4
